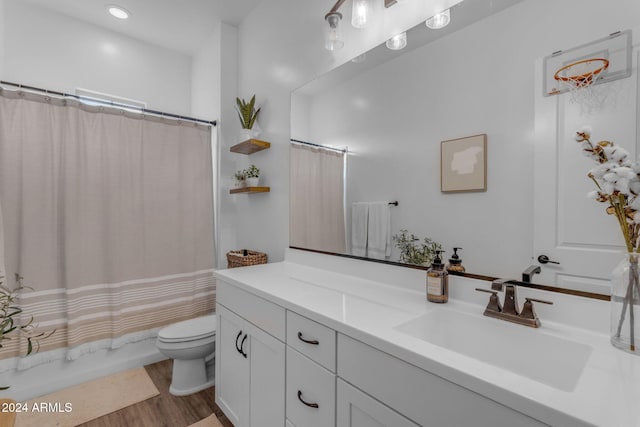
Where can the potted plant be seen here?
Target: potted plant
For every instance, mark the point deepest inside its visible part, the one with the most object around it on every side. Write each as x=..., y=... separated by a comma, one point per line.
x=240, y=179
x=253, y=175
x=412, y=253
x=9, y=324
x=248, y=115
x=9, y=319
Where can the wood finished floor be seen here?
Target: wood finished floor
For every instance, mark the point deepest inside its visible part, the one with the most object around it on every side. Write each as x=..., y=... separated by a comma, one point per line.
x=164, y=410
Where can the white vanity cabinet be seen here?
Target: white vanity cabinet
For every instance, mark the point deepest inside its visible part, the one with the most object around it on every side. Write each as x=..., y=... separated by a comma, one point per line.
x=275, y=367
x=250, y=358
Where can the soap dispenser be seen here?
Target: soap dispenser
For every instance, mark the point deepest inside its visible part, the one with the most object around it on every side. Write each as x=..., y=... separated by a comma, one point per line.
x=455, y=263
x=437, y=281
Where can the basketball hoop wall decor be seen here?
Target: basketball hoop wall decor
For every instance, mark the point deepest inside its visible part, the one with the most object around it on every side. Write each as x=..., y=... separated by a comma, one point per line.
x=578, y=70
x=579, y=78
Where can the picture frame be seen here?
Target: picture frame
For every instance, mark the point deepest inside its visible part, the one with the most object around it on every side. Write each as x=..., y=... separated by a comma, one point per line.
x=463, y=164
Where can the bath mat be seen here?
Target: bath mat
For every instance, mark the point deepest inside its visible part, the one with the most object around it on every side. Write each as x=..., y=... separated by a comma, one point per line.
x=210, y=421
x=87, y=401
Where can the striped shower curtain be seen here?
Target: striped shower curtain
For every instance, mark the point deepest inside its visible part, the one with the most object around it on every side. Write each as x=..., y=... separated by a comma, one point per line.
x=108, y=216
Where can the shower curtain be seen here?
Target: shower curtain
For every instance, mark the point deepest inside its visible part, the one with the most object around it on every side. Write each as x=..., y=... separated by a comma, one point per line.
x=316, y=217
x=108, y=216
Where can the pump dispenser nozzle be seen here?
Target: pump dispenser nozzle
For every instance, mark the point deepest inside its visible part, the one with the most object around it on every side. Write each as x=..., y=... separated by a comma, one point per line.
x=437, y=261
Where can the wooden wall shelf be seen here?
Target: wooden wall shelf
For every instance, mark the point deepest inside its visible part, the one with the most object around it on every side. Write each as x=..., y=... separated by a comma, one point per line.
x=250, y=190
x=250, y=146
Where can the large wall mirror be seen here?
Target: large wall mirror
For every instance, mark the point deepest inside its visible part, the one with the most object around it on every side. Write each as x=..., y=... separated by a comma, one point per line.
x=381, y=121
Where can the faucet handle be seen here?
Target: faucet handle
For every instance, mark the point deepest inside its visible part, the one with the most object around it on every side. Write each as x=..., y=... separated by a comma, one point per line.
x=529, y=313
x=494, y=301
x=538, y=300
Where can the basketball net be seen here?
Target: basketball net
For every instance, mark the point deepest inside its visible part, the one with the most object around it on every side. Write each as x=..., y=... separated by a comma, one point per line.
x=580, y=78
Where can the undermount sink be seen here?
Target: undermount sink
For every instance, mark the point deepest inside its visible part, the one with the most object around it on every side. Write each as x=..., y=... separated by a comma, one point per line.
x=528, y=352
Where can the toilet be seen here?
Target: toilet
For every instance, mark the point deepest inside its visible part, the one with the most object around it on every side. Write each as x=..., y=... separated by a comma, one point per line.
x=191, y=345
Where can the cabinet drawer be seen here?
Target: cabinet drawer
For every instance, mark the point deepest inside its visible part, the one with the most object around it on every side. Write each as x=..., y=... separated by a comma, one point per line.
x=312, y=339
x=311, y=383
x=264, y=314
x=419, y=395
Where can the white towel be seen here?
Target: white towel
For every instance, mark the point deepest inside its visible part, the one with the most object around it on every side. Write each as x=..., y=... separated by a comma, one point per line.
x=379, y=230
x=359, y=224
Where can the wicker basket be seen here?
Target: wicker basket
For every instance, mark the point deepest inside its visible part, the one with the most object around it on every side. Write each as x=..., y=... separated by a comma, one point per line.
x=238, y=259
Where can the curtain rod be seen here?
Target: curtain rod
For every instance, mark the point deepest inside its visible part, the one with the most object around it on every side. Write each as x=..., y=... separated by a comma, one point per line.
x=342, y=150
x=109, y=103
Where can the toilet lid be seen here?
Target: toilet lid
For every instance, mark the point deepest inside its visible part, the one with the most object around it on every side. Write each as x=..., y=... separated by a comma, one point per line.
x=192, y=329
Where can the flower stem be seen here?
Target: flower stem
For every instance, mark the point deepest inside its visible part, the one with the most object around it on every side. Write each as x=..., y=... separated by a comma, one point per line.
x=628, y=302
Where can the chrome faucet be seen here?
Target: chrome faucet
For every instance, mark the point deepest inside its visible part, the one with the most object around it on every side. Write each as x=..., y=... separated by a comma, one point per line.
x=509, y=310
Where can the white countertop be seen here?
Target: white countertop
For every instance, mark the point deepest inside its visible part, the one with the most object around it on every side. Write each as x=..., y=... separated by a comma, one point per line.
x=607, y=393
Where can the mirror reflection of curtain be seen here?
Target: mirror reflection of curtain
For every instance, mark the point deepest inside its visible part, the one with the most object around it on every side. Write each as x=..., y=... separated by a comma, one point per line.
x=109, y=218
x=317, y=199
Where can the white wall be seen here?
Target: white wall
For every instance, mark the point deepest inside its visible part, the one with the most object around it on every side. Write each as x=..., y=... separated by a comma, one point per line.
x=2, y=37
x=498, y=100
x=228, y=224
x=53, y=51
x=205, y=78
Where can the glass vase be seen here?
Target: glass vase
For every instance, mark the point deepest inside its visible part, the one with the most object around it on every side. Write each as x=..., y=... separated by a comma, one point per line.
x=625, y=303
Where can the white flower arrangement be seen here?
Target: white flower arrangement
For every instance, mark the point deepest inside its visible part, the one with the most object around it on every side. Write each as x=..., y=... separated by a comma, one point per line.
x=617, y=178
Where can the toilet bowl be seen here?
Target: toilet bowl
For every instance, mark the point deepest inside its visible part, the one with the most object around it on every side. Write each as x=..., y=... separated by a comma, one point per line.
x=191, y=345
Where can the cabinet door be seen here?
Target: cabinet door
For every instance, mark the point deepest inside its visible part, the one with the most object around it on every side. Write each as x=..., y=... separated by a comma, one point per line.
x=232, y=367
x=356, y=409
x=311, y=392
x=266, y=356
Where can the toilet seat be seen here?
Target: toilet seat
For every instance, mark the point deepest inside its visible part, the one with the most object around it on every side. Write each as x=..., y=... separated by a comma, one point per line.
x=189, y=330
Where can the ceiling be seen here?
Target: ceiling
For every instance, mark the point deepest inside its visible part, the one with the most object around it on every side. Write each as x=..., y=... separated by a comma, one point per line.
x=175, y=24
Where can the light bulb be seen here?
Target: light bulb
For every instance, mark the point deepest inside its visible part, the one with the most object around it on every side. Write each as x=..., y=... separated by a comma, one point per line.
x=118, y=12
x=333, y=40
x=440, y=20
x=360, y=13
x=397, y=42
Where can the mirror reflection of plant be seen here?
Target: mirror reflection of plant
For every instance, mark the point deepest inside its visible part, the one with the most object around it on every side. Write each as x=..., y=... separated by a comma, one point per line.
x=10, y=322
x=412, y=252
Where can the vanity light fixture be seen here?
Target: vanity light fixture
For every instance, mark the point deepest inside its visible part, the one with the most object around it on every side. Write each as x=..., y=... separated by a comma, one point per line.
x=440, y=20
x=360, y=17
x=397, y=42
x=333, y=40
x=118, y=12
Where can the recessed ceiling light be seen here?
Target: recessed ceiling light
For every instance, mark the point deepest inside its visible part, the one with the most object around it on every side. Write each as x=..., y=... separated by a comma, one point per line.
x=118, y=12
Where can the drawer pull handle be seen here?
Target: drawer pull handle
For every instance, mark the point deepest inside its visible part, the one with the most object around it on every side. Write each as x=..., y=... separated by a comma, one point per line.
x=238, y=349
x=313, y=342
x=311, y=405
x=242, y=346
